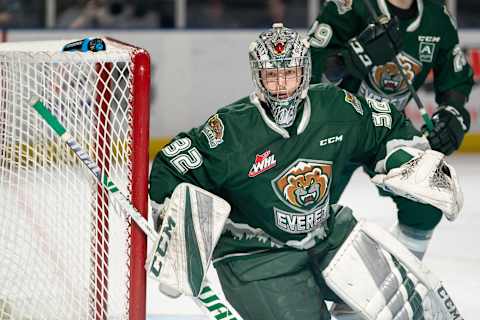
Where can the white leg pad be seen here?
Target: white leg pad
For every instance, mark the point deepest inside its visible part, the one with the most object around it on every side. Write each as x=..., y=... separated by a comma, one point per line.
x=341, y=311
x=193, y=222
x=380, y=278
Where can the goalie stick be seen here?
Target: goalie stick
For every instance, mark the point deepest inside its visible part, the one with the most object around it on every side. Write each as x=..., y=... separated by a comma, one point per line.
x=421, y=107
x=211, y=303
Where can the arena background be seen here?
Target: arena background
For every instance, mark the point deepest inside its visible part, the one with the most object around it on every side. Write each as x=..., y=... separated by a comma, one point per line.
x=199, y=64
x=196, y=72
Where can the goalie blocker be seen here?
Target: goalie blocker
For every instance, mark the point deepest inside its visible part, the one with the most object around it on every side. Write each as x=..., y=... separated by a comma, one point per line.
x=192, y=224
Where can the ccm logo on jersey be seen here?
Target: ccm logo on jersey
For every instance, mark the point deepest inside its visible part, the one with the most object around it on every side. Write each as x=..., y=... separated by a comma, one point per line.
x=331, y=140
x=428, y=39
x=262, y=163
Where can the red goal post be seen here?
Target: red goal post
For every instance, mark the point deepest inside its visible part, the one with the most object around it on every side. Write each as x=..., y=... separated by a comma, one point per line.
x=64, y=252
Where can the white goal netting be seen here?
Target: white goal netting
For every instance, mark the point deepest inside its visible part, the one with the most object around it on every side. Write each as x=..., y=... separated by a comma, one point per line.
x=64, y=252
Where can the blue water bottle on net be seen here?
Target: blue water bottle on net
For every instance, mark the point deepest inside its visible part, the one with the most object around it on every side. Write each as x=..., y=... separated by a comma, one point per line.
x=84, y=45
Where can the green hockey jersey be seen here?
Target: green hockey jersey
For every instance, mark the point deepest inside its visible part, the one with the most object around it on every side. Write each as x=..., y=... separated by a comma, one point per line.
x=430, y=42
x=277, y=181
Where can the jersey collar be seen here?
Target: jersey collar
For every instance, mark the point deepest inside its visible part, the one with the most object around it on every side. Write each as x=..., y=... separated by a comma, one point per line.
x=274, y=126
x=415, y=24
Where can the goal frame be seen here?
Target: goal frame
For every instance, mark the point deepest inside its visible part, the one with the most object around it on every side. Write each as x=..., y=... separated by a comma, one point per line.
x=139, y=184
x=138, y=96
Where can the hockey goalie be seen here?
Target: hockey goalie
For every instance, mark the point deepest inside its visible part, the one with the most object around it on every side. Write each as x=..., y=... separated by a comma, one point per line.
x=250, y=189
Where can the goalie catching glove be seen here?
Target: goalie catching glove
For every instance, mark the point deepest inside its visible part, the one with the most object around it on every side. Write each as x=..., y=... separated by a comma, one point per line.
x=422, y=176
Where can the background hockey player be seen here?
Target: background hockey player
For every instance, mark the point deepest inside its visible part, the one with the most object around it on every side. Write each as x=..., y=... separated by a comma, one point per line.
x=425, y=35
x=276, y=157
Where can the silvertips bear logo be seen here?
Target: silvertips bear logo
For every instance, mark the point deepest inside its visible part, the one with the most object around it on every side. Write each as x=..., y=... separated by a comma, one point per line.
x=304, y=187
x=213, y=130
x=387, y=78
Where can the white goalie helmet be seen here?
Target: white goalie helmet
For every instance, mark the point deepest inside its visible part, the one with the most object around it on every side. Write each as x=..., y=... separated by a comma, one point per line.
x=280, y=57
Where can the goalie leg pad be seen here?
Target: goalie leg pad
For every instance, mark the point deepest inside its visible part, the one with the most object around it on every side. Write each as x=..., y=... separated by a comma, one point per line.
x=193, y=222
x=378, y=277
x=341, y=311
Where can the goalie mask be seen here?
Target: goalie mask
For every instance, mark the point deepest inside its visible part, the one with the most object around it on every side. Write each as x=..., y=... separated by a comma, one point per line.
x=281, y=69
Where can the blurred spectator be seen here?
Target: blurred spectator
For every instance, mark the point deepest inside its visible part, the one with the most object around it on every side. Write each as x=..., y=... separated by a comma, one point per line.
x=70, y=13
x=6, y=13
x=276, y=10
x=245, y=13
x=109, y=14
x=165, y=10
x=21, y=13
x=468, y=13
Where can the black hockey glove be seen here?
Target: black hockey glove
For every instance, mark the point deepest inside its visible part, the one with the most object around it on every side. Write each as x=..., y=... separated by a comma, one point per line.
x=449, y=127
x=376, y=45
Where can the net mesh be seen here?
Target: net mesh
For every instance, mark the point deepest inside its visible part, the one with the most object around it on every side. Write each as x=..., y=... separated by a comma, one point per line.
x=64, y=252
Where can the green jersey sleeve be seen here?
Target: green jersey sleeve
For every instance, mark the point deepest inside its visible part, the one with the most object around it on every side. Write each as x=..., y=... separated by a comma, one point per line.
x=451, y=70
x=371, y=128
x=196, y=156
x=383, y=129
x=338, y=22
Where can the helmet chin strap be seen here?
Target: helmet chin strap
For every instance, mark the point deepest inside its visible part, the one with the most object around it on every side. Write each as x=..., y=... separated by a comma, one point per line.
x=268, y=108
x=304, y=93
x=266, y=105
x=260, y=96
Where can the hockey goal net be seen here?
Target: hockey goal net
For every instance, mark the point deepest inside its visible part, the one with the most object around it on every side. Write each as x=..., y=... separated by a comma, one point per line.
x=64, y=252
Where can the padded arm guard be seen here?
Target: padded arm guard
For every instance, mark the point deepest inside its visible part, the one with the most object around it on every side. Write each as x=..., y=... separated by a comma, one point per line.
x=422, y=176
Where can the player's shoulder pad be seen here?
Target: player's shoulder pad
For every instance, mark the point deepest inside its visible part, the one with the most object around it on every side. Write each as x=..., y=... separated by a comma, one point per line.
x=343, y=6
x=435, y=7
x=227, y=123
x=438, y=12
x=338, y=104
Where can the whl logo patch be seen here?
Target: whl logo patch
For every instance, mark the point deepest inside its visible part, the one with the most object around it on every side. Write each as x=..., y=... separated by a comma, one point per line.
x=263, y=162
